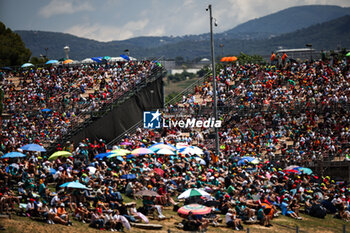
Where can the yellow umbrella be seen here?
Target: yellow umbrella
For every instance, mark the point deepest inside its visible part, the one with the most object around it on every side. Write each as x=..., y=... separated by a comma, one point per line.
x=57, y=154
x=120, y=151
x=68, y=61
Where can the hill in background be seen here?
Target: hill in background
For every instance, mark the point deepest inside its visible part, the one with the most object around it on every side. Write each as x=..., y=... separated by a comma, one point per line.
x=292, y=26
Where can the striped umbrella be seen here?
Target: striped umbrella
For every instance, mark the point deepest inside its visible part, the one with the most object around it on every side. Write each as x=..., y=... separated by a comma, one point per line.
x=196, y=209
x=159, y=146
x=192, y=193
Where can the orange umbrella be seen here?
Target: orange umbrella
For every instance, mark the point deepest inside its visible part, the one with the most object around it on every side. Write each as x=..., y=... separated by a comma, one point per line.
x=232, y=59
x=68, y=61
x=225, y=59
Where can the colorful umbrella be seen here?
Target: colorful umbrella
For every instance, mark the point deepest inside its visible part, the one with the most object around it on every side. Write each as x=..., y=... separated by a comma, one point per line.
x=192, y=193
x=125, y=57
x=102, y=155
x=33, y=147
x=57, y=154
x=46, y=110
x=291, y=171
x=68, y=61
x=73, y=185
x=291, y=167
x=304, y=170
x=120, y=152
x=159, y=171
x=200, y=161
x=27, y=65
x=128, y=176
x=196, y=209
x=146, y=193
x=158, y=146
x=51, y=62
x=13, y=155
x=191, y=150
x=126, y=143
x=96, y=59
x=231, y=59
x=142, y=151
x=165, y=151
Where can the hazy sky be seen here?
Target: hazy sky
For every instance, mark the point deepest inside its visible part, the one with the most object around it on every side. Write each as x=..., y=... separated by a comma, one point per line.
x=107, y=20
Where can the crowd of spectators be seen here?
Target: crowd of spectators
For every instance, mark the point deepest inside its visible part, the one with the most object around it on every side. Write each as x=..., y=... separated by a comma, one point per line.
x=291, y=115
x=45, y=103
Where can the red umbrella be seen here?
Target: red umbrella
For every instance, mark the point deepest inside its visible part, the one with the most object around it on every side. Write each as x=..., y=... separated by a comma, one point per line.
x=291, y=171
x=159, y=171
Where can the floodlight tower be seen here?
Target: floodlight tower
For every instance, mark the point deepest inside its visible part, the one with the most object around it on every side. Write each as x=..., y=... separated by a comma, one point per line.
x=214, y=78
x=66, y=51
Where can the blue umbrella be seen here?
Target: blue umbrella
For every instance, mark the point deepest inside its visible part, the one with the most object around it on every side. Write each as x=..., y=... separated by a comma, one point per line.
x=102, y=155
x=245, y=159
x=6, y=68
x=128, y=176
x=73, y=185
x=97, y=59
x=33, y=147
x=46, y=110
x=120, y=158
x=129, y=156
x=125, y=57
x=52, y=171
x=27, y=65
x=13, y=155
x=51, y=62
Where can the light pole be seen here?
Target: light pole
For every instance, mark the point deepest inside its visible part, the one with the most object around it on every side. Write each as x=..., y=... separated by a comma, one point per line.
x=214, y=79
x=310, y=46
x=222, y=49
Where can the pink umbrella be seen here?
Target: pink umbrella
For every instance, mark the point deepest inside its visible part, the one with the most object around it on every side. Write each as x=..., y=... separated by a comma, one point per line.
x=142, y=151
x=196, y=209
x=126, y=143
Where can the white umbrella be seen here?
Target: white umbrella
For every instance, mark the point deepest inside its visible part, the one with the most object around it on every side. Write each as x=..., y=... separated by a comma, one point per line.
x=201, y=161
x=117, y=59
x=192, y=193
x=92, y=170
x=165, y=151
x=87, y=60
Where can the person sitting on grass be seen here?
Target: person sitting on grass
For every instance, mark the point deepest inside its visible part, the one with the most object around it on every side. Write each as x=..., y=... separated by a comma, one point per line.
x=286, y=211
x=264, y=216
x=232, y=220
x=62, y=216
x=81, y=212
x=133, y=212
x=97, y=220
x=196, y=222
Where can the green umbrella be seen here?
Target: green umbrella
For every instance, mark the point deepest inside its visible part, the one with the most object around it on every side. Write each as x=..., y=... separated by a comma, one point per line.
x=57, y=154
x=348, y=54
x=291, y=81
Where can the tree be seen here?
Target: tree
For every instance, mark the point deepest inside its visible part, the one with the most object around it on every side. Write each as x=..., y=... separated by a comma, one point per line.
x=245, y=58
x=12, y=49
